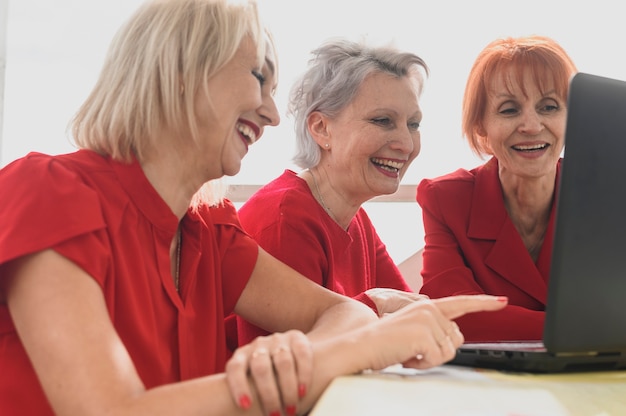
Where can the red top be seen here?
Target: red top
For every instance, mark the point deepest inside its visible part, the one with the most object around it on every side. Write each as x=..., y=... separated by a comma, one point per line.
x=472, y=247
x=286, y=220
x=107, y=218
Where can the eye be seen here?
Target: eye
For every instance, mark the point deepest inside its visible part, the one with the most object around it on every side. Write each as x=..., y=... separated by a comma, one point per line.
x=381, y=121
x=549, y=107
x=259, y=76
x=414, y=125
x=508, y=110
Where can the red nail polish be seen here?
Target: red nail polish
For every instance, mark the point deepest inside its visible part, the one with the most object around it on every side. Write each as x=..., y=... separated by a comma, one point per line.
x=301, y=390
x=275, y=413
x=290, y=410
x=245, y=402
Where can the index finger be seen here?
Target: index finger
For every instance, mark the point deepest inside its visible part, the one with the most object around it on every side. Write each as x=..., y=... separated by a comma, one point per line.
x=454, y=306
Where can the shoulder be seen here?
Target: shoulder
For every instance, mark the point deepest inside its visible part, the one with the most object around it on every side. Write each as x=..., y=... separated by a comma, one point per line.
x=223, y=213
x=38, y=176
x=457, y=185
x=286, y=194
x=48, y=199
x=451, y=182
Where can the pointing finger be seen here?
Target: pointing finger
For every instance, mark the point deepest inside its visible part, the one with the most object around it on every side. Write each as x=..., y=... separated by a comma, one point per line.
x=454, y=306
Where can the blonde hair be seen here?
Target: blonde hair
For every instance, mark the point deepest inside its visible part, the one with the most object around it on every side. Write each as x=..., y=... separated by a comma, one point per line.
x=156, y=62
x=214, y=191
x=546, y=60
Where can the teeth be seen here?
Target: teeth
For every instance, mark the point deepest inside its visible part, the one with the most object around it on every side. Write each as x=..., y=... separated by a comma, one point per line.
x=248, y=132
x=531, y=147
x=389, y=164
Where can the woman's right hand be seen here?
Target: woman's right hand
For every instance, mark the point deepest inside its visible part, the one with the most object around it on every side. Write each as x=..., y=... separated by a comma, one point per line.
x=423, y=334
x=280, y=366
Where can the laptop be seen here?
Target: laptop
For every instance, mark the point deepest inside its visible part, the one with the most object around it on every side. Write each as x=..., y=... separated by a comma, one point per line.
x=585, y=322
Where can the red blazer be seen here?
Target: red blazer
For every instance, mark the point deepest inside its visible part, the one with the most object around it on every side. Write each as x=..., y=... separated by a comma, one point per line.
x=472, y=247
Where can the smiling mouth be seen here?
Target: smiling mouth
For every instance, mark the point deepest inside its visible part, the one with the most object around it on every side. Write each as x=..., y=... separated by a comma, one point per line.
x=531, y=148
x=248, y=133
x=388, y=165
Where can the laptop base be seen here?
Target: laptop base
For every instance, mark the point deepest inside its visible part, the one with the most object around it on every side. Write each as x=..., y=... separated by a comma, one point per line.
x=533, y=358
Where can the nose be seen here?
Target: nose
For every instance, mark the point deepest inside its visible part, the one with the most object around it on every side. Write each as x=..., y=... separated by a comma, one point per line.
x=406, y=141
x=268, y=111
x=531, y=123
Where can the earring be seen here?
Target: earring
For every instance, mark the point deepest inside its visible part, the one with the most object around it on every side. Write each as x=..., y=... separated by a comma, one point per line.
x=326, y=145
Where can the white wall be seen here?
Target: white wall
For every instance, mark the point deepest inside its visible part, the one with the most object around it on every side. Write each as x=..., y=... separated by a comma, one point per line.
x=55, y=49
x=4, y=5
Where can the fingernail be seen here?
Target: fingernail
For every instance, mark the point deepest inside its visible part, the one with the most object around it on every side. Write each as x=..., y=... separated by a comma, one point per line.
x=275, y=413
x=301, y=390
x=290, y=410
x=502, y=299
x=245, y=402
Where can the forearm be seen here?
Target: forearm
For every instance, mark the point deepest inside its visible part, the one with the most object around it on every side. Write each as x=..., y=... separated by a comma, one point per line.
x=341, y=318
x=346, y=354
x=202, y=396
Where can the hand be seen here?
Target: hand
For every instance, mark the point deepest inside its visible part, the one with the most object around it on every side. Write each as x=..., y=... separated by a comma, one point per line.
x=390, y=300
x=423, y=334
x=281, y=367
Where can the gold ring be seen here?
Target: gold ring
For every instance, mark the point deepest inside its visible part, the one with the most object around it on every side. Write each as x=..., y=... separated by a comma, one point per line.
x=259, y=352
x=280, y=349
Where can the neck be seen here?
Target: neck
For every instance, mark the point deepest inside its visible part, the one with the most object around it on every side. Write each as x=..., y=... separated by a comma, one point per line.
x=528, y=204
x=322, y=189
x=529, y=201
x=169, y=177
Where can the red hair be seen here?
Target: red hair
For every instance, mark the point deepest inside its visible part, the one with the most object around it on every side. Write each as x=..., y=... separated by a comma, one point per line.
x=546, y=61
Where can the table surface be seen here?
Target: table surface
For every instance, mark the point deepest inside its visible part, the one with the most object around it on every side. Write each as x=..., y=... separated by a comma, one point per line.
x=452, y=390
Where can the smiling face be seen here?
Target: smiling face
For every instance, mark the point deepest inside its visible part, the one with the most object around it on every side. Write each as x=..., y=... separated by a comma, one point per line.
x=234, y=91
x=524, y=127
x=374, y=139
x=252, y=124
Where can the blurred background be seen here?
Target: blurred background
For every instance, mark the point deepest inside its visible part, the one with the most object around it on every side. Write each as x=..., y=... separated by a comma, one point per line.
x=51, y=53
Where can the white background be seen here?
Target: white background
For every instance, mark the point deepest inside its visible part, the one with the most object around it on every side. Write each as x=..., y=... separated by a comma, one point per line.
x=55, y=50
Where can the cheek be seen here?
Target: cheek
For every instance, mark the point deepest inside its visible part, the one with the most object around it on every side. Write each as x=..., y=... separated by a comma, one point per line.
x=417, y=145
x=559, y=130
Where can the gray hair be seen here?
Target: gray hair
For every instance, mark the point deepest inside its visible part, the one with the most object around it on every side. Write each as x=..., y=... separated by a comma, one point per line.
x=332, y=79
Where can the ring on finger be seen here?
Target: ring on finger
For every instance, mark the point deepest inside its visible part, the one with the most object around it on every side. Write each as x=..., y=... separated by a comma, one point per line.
x=280, y=349
x=259, y=352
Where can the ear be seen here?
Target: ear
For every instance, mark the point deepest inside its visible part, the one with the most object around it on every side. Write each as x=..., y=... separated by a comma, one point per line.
x=317, y=123
x=480, y=130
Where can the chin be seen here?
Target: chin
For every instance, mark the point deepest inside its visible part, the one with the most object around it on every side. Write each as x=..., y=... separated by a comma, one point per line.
x=232, y=171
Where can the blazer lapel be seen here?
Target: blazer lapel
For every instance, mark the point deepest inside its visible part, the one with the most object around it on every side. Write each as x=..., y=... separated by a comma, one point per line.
x=490, y=221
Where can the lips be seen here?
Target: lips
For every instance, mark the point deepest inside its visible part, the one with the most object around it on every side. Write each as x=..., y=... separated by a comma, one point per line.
x=386, y=164
x=249, y=130
x=530, y=147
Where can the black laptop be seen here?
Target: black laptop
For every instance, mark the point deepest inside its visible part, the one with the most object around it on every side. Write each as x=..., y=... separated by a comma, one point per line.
x=585, y=323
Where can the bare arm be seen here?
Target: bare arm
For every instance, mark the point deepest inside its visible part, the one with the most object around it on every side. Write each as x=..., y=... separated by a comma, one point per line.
x=346, y=336
x=61, y=318
x=421, y=335
x=277, y=298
